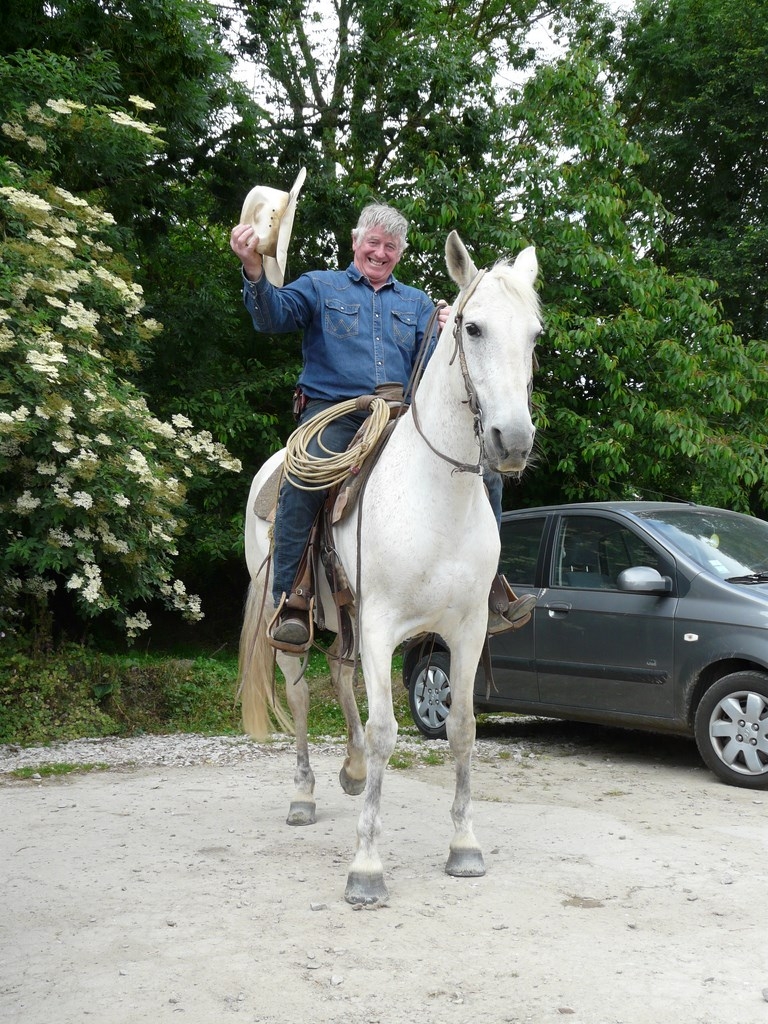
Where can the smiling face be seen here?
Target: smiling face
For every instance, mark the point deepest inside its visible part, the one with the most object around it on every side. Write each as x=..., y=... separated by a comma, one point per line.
x=376, y=255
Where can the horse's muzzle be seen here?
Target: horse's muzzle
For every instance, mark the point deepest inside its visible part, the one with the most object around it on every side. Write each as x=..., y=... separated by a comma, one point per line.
x=510, y=453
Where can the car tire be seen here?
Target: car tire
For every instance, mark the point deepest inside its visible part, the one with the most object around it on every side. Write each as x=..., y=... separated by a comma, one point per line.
x=731, y=729
x=429, y=694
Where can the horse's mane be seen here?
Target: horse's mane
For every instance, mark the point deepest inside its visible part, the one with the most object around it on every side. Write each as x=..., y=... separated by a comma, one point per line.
x=527, y=294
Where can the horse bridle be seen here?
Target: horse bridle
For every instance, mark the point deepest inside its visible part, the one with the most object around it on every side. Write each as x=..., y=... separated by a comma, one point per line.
x=472, y=399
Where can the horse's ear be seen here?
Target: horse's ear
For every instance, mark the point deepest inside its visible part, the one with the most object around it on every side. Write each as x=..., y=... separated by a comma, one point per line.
x=527, y=265
x=459, y=262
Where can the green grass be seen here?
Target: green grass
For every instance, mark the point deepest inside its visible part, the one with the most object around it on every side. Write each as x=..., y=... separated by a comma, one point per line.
x=403, y=759
x=47, y=770
x=76, y=691
x=433, y=757
x=325, y=715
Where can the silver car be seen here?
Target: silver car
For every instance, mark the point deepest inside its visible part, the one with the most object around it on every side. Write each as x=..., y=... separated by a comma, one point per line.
x=650, y=615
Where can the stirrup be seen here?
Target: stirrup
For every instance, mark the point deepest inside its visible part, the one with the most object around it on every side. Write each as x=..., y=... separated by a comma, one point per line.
x=507, y=610
x=520, y=611
x=282, y=645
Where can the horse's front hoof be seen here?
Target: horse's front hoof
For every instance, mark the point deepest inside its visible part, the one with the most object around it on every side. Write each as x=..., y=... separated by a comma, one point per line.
x=366, y=890
x=465, y=863
x=353, y=787
x=301, y=812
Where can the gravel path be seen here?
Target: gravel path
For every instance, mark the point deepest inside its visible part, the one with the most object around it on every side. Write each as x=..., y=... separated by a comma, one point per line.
x=189, y=749
x=624, y=885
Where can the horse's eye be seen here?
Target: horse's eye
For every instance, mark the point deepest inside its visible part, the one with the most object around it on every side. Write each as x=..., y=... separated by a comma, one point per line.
x=473, y=330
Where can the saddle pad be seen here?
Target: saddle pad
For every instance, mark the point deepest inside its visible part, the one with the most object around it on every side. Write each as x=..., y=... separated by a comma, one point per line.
x=265, y=502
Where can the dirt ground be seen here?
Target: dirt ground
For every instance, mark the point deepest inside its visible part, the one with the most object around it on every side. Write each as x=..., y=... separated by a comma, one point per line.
x=624, y=885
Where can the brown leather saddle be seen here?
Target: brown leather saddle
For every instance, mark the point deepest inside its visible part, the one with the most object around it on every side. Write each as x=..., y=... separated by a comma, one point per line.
x=320, y=550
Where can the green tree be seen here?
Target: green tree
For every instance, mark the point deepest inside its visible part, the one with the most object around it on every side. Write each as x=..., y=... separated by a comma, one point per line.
x=642, y=385
x=380, y=99
x=92, y=485
x=694, y=92
x=169, y=52
x=643, y=389
x=173, y=54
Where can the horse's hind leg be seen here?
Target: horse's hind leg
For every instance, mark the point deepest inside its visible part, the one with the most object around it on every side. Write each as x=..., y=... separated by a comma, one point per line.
x=353, y=771
x=465, y=858
x=302, y=809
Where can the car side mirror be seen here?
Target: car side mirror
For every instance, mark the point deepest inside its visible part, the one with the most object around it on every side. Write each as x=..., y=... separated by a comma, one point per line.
x=641, y=579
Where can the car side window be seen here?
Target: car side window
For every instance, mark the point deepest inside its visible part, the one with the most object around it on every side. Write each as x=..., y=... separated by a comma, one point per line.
x=592, y=551
x=520, y=543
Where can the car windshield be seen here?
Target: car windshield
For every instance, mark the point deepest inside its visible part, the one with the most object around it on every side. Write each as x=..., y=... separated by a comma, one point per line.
x=726, y=543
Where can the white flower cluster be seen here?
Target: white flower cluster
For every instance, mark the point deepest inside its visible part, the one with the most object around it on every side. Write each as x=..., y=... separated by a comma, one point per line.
x=61, y=488
x=158, y=427
x=187, y=604
x=26, y=503
x=69, y=305
x=78, y=317
x=124, y=119
x=60, y=538
x=64, y=106
x=203, y=444
x=18, y=133
x=135, y=624
x=139, y=466
x=7, y=337
x=90, y=586
x=17, y=416
x=25, y=201
x=85, y=463
x=68, y=198
x=81, y=499
x=111, y=543
x=132, y=294
x=141, y=104
x=37, y=586
x=13, y=131
x=61, y=245
x=36, y=113
x=47, y=358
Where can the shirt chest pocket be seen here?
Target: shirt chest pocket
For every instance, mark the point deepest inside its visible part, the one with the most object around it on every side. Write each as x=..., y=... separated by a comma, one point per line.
x=341, y=319
x=404, y=328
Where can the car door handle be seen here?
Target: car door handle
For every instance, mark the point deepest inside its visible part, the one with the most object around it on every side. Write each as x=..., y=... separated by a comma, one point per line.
x=559, y=608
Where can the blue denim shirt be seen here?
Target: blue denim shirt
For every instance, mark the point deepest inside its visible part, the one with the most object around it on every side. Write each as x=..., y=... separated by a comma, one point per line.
x=354, y=337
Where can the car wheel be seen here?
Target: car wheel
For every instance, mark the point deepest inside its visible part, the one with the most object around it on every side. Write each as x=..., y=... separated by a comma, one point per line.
x=731, y=729
x=429, y=694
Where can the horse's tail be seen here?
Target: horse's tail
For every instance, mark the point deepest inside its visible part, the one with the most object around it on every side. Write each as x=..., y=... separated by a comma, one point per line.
x=255, y=676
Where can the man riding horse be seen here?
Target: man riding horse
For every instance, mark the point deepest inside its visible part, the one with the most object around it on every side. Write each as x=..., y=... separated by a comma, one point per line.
x=362, y=328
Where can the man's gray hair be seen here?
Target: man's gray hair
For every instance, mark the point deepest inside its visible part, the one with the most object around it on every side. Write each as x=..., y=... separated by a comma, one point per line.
x=386, y=218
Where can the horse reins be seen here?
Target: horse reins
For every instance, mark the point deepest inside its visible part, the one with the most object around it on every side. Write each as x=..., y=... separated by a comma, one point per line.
x=459, y=467
x=472, y=399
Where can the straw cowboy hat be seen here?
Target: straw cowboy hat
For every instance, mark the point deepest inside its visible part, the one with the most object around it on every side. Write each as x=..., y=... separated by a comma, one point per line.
x=270, y=214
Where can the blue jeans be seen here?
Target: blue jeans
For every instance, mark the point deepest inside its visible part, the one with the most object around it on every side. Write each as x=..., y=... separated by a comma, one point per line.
x=297, y=509
x=494, y=482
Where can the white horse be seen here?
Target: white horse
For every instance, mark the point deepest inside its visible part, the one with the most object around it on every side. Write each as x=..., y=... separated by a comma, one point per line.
x=429, y=550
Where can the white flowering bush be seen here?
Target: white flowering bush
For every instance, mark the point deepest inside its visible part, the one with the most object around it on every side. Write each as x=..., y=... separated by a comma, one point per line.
x=92, y=485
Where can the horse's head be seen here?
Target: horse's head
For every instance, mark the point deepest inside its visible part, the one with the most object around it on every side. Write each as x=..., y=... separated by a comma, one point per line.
x=496, y=320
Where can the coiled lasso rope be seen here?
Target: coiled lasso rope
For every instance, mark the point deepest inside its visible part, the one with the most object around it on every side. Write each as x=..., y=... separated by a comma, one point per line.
x=314, y=473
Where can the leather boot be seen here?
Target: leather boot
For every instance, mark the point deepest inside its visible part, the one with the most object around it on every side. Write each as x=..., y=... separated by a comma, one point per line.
x=506, y=610
x=291, y=628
